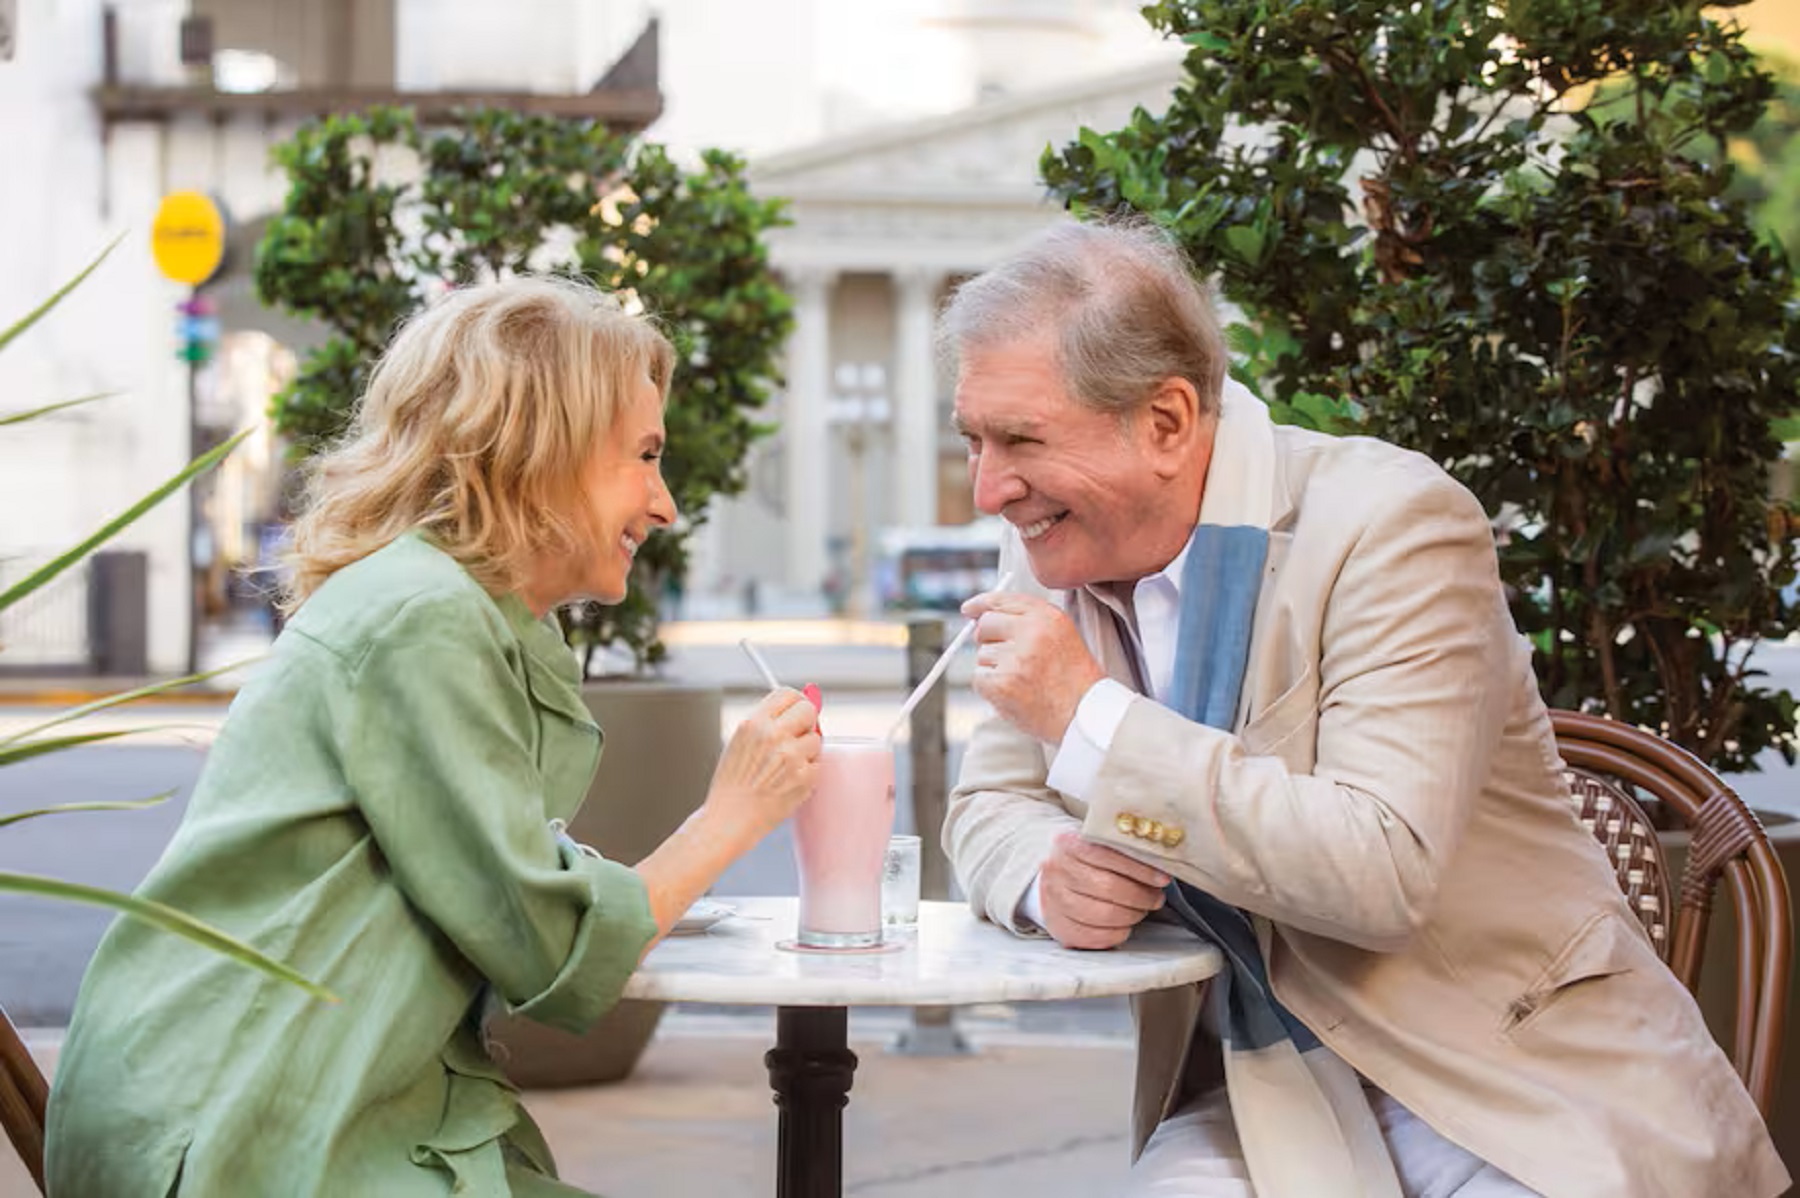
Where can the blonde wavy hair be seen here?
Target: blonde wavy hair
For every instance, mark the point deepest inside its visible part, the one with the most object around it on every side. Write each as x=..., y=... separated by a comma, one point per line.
x=475, y=428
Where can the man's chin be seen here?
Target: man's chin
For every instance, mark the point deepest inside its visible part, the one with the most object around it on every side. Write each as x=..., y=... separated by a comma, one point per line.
x=1053, y=572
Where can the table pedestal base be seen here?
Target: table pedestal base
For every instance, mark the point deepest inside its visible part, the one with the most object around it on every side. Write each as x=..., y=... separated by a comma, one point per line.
x=810, y=1069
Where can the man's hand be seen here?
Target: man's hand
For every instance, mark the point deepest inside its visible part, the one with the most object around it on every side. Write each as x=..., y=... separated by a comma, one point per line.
x=1030, y=663
x=1093, y=896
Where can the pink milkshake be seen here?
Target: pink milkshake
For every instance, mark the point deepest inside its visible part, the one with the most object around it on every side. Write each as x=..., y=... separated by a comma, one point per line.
x=840, y=839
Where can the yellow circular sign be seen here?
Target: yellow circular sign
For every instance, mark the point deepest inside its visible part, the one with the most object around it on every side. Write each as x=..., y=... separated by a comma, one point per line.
x=188, y=237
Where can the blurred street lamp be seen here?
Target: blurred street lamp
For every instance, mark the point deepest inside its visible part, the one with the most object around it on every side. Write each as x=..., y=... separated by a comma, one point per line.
x=859, y=400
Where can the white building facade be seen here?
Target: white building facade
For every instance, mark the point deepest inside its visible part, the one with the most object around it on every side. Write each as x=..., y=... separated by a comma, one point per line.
x=99, y=119
x=885, y=223
x=906, y=132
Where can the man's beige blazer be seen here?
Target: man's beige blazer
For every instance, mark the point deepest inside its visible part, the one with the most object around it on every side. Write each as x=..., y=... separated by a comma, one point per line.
x=1392, y=803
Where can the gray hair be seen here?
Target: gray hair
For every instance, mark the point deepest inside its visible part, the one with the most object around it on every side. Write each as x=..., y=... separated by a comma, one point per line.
x=1120, y=300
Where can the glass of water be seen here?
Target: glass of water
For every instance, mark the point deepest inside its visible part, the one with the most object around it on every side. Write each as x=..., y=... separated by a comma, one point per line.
x=900, y=889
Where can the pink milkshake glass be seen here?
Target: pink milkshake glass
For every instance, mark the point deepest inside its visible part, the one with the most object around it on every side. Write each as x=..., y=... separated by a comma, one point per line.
x=840, y=842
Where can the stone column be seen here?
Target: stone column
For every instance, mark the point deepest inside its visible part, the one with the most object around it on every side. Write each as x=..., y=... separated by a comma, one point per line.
x=915, y=399
x=803, y=430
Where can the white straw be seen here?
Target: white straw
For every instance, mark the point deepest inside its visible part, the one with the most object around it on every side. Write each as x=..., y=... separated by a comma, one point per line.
x=941, y=664
x=762, y=667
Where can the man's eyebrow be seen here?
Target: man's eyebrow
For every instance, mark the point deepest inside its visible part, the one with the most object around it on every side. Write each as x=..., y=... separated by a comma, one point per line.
x=1022, y=427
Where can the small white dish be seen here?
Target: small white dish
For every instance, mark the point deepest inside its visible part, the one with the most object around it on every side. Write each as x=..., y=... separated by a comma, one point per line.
x=701, y=916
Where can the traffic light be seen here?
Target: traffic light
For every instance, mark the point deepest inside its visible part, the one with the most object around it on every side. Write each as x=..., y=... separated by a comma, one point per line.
x=197, y=330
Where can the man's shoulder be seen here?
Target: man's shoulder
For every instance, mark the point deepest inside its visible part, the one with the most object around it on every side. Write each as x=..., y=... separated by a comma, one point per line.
x=1360, y=479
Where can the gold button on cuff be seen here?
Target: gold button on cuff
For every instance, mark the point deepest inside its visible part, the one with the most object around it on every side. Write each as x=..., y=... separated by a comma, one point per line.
x=1156, y=831
x=1143, y=827
x=1172, y=837
x=1126, y=823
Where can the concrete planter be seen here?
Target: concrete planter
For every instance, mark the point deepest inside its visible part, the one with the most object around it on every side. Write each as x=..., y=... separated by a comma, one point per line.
x=1718, y=977
x=662, y=743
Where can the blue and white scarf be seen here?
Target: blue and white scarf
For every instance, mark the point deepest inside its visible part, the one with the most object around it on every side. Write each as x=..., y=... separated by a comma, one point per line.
x=1304, y=1124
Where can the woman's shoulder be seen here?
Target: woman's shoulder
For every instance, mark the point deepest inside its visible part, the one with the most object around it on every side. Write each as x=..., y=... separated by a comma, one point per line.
x=408, y=584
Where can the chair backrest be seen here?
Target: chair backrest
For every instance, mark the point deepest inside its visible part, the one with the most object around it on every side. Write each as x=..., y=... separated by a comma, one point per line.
x=24, y=1094
x=1608, y=760
x=1629, y=838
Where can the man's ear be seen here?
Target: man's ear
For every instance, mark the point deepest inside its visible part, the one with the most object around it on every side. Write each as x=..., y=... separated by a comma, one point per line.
x=1173, y=426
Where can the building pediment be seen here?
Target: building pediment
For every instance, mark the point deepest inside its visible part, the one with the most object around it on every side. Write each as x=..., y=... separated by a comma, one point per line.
x=986, y=153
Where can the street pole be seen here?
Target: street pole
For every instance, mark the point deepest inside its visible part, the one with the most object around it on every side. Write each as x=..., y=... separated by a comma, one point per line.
x=192, y=309
x=187, y=240
x=933, y=1032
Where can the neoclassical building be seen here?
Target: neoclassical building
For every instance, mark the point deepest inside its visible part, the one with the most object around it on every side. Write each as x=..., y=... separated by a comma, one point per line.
x=885, y=223
x=108, y=105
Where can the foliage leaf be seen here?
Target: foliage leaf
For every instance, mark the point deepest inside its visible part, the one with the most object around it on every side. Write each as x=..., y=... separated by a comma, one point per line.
x=13, y=752
x=165, y=917
x=149, y=690
x=113, y=527
x=101, y=805
x=34, y=413
x=57, y=297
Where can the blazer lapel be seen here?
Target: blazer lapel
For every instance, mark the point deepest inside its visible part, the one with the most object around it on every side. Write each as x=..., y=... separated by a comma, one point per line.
x=1259, y=676
x=1099, y=629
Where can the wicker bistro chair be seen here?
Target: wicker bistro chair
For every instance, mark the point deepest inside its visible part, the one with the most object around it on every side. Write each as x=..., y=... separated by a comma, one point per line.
x=23, y=1096
x=1607, y=761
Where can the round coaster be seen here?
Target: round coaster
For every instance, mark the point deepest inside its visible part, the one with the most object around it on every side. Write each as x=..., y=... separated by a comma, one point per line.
x=794, y=946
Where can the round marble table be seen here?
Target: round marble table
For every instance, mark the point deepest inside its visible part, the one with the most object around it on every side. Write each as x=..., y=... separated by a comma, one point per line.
x=955, y=959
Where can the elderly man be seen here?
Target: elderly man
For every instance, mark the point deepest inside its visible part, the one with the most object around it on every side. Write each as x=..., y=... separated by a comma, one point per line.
x=1264, y=681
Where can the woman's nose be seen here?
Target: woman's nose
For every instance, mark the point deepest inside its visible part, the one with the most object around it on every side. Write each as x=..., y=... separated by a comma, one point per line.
x=662, y=504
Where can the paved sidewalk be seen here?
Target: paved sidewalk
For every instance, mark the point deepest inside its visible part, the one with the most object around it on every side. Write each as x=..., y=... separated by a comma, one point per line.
x=1022, y=1116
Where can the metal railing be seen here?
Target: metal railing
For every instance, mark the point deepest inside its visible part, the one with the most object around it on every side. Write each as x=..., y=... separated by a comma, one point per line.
x=48, y=629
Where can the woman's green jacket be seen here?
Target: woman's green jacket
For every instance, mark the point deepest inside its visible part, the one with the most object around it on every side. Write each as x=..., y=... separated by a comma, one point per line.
x=376, y=813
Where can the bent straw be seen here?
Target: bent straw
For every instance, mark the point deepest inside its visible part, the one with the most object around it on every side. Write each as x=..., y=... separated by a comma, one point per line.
x=941, y=664
x=762, y=667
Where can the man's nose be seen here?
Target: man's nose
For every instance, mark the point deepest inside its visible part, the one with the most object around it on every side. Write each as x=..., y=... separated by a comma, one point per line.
x=996, y=485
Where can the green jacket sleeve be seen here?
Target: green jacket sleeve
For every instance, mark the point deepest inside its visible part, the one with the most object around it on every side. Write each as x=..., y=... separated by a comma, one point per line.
x=441, y=737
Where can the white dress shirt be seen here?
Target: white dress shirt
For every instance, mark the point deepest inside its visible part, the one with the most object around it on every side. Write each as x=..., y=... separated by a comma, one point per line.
x=1150, y=624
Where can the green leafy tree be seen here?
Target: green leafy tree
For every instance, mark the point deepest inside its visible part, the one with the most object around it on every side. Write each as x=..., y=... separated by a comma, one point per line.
x=381, y=213
x=1433, y=239
x=1767, y=157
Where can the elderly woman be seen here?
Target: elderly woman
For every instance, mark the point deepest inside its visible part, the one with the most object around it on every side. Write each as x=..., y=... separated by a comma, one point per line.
x=382, y=808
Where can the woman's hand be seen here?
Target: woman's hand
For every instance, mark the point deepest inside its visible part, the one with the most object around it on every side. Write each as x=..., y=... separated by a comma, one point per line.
x=766, y=771
x=770, y=765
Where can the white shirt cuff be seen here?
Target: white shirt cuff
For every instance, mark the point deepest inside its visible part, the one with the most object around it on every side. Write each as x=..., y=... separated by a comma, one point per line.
x=1031, y=907
x=1090, y=735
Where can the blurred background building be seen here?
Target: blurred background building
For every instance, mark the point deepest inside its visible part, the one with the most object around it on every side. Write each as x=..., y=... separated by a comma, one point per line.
x=906, y=132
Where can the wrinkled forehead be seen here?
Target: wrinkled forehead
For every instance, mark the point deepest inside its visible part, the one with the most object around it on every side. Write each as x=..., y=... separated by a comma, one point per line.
x=1010, y=384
